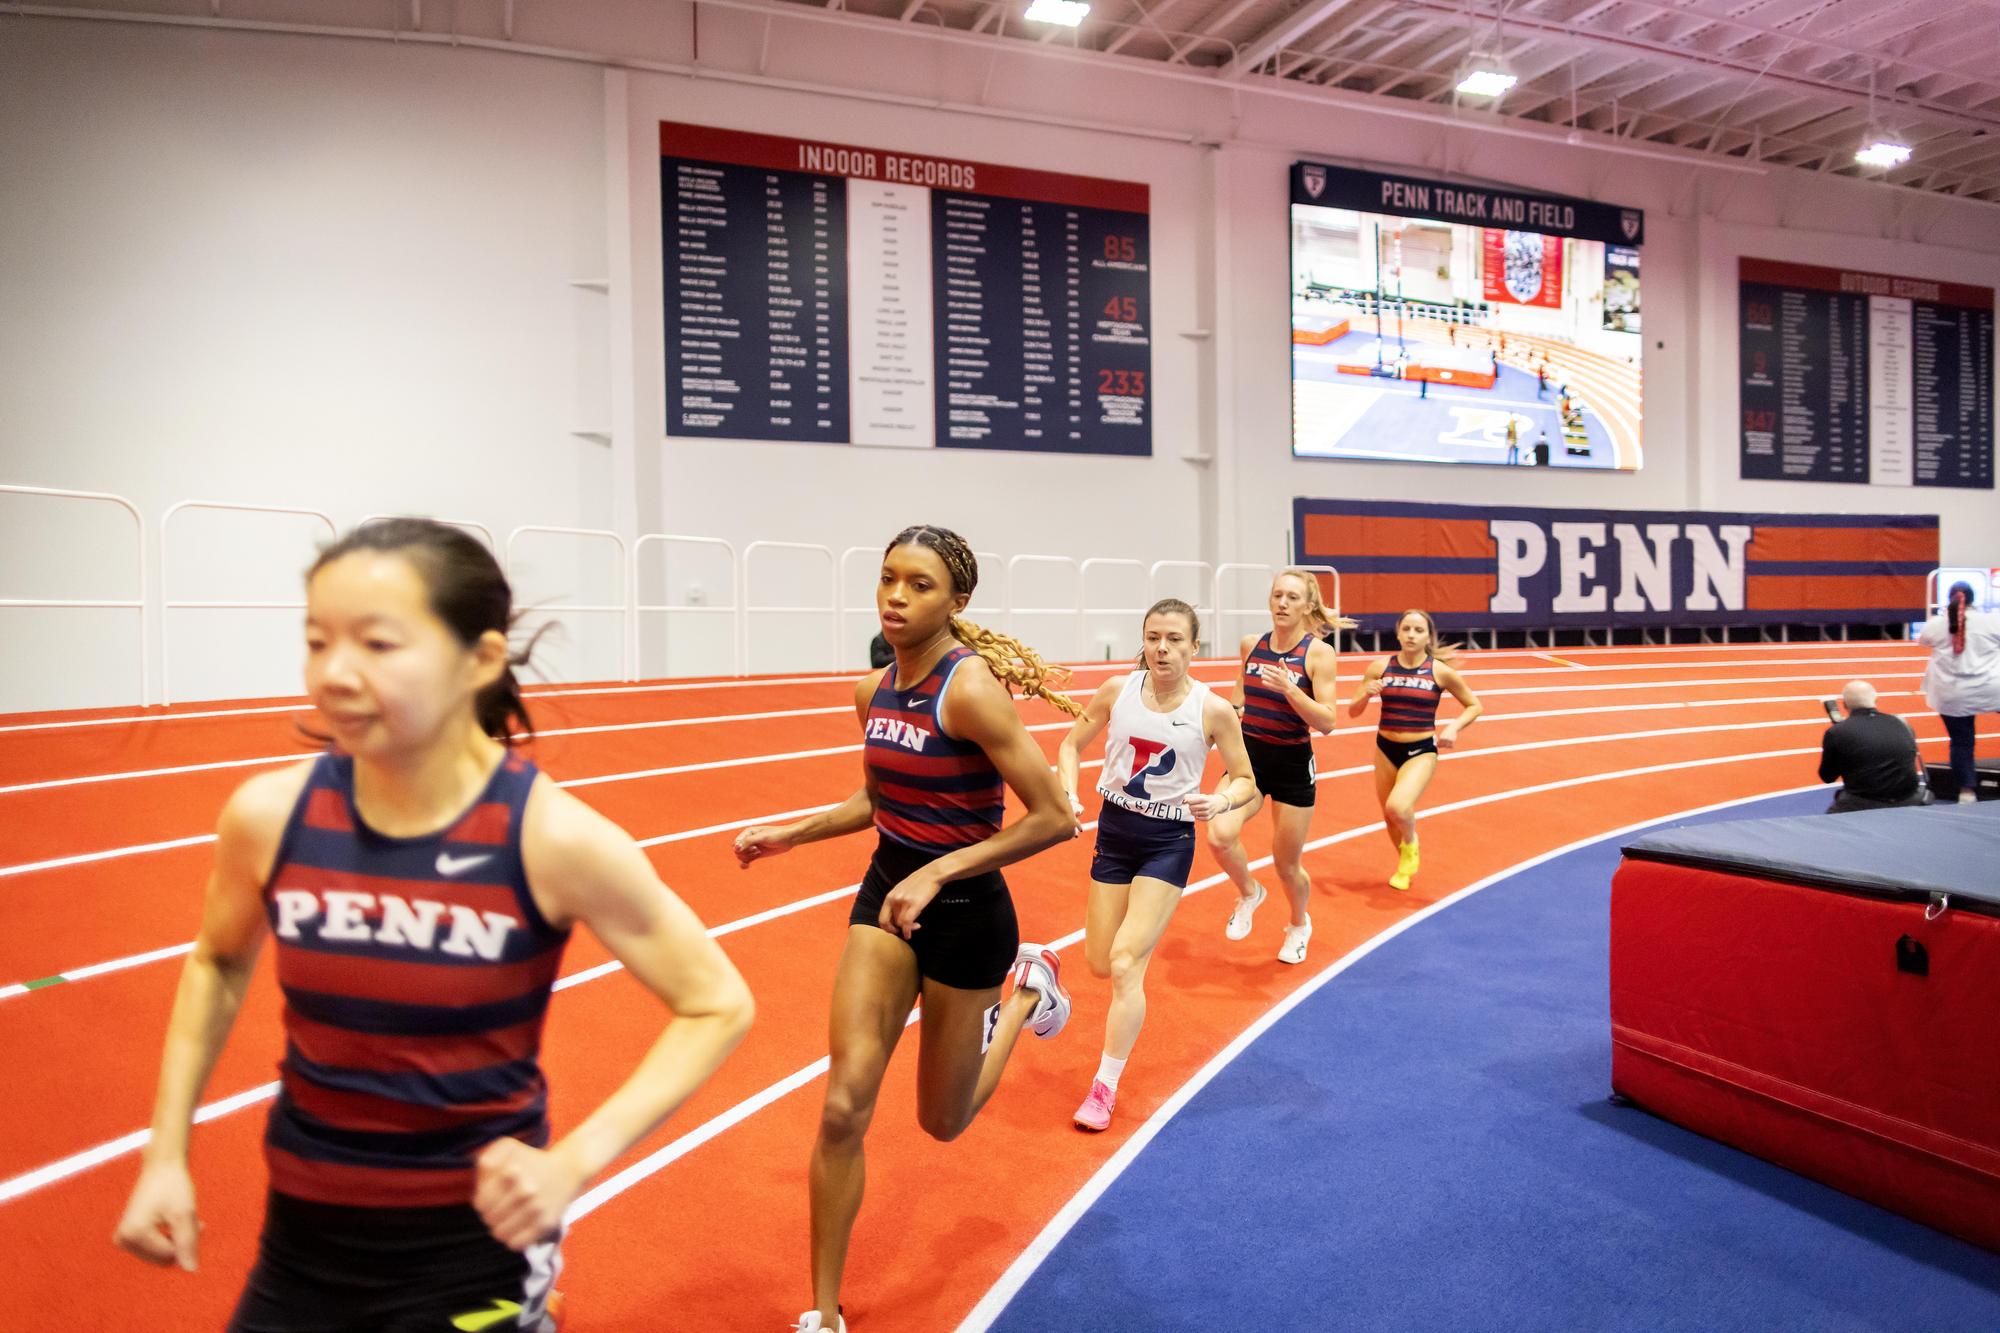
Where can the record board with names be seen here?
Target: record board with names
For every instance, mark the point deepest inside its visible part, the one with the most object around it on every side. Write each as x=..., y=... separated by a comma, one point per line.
x=828, y=293
x=1863, y=377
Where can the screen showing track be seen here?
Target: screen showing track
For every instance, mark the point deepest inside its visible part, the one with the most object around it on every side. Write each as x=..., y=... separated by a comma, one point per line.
x=1437, y=322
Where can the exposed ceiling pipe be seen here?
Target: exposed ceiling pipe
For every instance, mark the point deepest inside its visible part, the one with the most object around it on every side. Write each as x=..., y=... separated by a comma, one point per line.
x=1359, y=103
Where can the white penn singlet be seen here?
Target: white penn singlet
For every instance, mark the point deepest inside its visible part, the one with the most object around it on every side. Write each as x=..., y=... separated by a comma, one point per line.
x=1153, y=761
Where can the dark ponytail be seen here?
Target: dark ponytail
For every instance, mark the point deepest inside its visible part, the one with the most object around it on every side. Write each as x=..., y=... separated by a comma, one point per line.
x=467, y=591
x=1955, y=609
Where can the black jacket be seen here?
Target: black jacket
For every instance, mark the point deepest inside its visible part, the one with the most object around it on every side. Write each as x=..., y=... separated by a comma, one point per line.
x=1873, y=753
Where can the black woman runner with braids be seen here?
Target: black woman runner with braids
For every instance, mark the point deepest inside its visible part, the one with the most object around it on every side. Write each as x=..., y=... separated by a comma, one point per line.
x=933, y=918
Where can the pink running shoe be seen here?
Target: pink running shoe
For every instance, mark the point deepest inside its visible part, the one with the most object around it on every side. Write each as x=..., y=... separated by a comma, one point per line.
x=1095, y=1113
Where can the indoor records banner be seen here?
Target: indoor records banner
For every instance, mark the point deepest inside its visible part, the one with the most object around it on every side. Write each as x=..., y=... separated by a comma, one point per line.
x=824, y=292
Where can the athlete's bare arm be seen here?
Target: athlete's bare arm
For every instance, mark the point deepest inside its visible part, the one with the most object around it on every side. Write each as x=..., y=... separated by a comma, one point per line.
x=582, y=867
x=1243, y=647
x=1370, y=687
x=1224, y=730
x=159, y=1223
x=1318, y=709
x=1096, y=716
x=852, y=815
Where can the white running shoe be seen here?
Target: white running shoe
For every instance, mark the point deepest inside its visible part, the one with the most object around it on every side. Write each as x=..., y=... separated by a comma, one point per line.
x=1239, y=916
x=1293, y=950
x=810, y=1322
x=1037, y=968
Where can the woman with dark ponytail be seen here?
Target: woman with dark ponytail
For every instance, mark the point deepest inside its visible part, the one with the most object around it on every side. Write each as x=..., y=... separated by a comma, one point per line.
x=933, y=919
x=420, y=880
x=1963, y=679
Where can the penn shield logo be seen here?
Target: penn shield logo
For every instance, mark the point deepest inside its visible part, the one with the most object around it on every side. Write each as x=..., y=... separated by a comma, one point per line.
x=1150, y=759
x=1314, y=179
x=1628, y=222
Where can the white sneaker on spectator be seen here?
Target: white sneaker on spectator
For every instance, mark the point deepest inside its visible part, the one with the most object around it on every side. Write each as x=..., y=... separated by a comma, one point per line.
x=1293, y=950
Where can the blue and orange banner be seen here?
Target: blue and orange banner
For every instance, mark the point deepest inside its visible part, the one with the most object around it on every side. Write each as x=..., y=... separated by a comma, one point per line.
x=1486, y=567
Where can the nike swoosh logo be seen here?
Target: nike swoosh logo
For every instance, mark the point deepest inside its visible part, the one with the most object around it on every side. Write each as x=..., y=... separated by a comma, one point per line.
x=1178, y=722
x=447, y=864
x=477, y=1320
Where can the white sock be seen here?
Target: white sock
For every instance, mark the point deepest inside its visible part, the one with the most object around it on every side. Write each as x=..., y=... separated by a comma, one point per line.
x=1108, y=1071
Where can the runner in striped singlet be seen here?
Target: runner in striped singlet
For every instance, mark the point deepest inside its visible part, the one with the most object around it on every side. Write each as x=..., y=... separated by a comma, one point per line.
x=1285, y=691
x=933, y=918
x=1407, y=739
x=420, y=881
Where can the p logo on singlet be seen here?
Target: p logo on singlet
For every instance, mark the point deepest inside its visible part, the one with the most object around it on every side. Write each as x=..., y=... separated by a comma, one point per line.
x=1150, y=759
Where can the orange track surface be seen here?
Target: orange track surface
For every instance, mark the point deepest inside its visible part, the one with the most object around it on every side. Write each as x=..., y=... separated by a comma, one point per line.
x=717, y=1240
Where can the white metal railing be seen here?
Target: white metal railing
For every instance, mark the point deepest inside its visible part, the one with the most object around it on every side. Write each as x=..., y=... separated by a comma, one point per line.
x=95, y=603
x=632, y=668
x=468, y=524
x=1085, y=611
x=1221, y=601
x=167, y=604
x=622, y=609
x=750, y=608
x=1075, y=608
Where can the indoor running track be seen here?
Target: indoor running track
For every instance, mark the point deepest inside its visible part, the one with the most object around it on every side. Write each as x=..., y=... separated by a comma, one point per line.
x=104, y=826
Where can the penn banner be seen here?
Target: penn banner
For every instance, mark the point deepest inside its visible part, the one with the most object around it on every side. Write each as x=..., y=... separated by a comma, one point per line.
x=1487, y=567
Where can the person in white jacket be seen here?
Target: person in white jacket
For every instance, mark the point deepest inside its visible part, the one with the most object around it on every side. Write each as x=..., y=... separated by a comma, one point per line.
x=1963, y=679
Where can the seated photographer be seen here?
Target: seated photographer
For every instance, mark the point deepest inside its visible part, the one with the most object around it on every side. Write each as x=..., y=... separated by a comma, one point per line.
x=1871, y=753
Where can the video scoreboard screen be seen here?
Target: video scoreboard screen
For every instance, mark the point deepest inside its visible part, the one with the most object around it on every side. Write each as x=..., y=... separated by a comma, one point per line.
x=1439, y=322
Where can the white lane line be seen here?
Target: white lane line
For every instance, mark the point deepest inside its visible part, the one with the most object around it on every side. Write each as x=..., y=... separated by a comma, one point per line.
x=7, y=992
x=83, y=1161
x=273, y=760
x=1044, y=1244
x=1890, y=650
x=666, y=687
x=640, y=1171
x=749, y=761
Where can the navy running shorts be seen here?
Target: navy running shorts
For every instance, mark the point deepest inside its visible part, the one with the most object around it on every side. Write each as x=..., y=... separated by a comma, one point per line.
x=1130, y=845
x=1284, y=772
x=331, y=1268
x=969, y=936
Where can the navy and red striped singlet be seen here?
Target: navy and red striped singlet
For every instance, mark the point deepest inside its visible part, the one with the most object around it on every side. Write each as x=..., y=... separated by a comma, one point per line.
x=932, y=793
x=416, y=974
x=1266, y=714
x=1409, y=696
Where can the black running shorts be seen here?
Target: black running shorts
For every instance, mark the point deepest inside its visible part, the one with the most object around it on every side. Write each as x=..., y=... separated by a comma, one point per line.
x=969, y=936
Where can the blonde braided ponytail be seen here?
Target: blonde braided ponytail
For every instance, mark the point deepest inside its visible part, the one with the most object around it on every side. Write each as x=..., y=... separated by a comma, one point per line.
x=1013, y=663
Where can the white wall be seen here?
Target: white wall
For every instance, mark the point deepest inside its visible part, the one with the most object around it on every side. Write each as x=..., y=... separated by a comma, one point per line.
x=336, y=273
x=290, y=271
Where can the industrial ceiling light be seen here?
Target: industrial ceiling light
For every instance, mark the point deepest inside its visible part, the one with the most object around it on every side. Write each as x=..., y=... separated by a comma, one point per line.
x=1877, y=148
x=1486, y=76
x=1880, y=150
x=1068, y=13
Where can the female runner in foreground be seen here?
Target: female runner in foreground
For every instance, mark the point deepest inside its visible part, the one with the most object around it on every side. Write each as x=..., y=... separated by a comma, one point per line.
x=1162, y=723
x=1407, y=739
x=421, y=882
x=933, y=917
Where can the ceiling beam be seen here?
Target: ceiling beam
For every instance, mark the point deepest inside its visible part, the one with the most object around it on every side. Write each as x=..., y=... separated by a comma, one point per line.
x=1281, y=35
